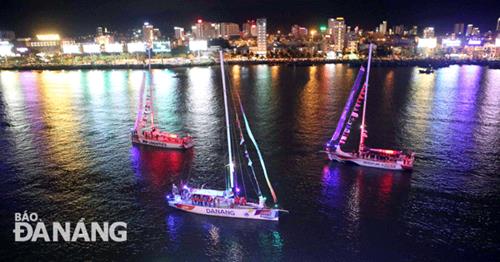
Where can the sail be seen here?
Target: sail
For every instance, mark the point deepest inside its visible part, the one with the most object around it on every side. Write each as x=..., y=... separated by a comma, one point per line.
x=140, y=106
x=341, y=124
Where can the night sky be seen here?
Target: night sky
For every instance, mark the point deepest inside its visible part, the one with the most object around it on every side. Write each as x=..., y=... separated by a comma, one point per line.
x=75, y=17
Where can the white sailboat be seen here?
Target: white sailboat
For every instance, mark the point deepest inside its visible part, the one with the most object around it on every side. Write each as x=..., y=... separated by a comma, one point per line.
x=145, y=131
x=228, y=202
x=365, y=156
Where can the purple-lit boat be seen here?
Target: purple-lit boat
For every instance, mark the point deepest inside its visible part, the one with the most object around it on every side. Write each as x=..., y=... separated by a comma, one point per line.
x=369, y=157
x=229, y=202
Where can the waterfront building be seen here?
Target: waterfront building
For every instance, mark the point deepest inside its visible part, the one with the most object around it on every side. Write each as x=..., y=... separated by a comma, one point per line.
x=45, y=43
x=262, y=36
x=148, y=34
x=413, y=31
x=338, y=34
x=458, y=30
x=475, y=31
x=249, y=29
x=428, y=32
x=203, y=30
x=468, y=32
x=179, y=33
x=228, y=30
x=299, y=32
x=399, y=29
x=383, y=28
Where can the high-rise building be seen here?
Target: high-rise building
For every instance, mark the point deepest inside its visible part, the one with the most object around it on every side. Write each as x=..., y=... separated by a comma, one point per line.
x=205, y=30
x=468, y=32
x=338, y=33
x=498, y=25
x=249, y=28
x=148, y=33
x=382, y=28
x=229, y=29
x=179, y=33
x=399, y=29
x=458, y=29
x=428, y=32
x=261, y=36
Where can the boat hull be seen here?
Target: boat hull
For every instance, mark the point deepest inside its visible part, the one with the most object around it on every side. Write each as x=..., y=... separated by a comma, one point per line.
x=346, y=157
x=246, y=213
x=165, y=145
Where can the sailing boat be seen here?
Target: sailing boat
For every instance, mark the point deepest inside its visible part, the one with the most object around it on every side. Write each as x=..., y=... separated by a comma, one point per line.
x=229, y=202
x=365, y=156
x=145, y=131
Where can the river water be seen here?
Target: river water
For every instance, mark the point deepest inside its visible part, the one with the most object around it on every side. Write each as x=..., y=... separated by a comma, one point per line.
x=66, y=154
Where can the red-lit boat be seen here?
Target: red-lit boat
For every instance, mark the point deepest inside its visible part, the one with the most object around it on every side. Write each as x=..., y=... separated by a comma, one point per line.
x=145, y=131
x=370, y=157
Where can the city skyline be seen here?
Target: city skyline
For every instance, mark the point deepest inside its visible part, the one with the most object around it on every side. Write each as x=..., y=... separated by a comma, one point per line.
x=69, y=19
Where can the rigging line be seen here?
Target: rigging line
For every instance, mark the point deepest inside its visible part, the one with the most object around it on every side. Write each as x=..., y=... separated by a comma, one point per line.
x=259, y=154
x=141, y=102
x=256, y=187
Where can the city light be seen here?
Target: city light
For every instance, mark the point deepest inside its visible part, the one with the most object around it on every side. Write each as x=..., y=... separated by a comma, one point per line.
x=22, y=49
x=113, y=48
x=198, y=45
x=427, y=43
x=6, y=48
x=48, y=37
x=451, y=42
x=136, y=47
x=161, y=47
x=322, y=28
x=91, y=48
x=497, y=42
x=474, y=42
x=71, y=49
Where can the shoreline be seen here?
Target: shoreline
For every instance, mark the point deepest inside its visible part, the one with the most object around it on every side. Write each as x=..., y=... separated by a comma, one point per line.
x=436, y=63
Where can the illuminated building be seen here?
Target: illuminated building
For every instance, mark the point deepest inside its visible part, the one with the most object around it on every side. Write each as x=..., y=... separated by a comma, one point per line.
x=205, y=30
x=414, y=30
x=428, y=32
x=383, y=27
x=475, y=31
x=100, y=31
x=45, y=43
x=498, y=25
x=458, y=29
x=179, y=33
x=249, y=28
x=399, y=29
x=468, y=32
x=148, y=34
x=299, y=32
x=228, y=30
x=338, y=29
x=261, y=36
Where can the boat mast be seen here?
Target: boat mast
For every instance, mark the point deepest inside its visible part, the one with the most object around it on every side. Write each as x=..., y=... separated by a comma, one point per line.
x=228, y=130
x=150, y=88
x=363, y=128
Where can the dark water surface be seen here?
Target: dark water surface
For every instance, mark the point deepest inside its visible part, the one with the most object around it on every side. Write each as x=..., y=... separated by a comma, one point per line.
x=66, y=154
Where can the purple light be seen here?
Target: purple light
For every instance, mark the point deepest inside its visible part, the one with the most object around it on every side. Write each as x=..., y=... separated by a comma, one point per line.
x=237, y=190
x=185, y=187
x=474, y=42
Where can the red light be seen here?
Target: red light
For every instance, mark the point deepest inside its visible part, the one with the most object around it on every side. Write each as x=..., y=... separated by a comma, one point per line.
x=199, y=21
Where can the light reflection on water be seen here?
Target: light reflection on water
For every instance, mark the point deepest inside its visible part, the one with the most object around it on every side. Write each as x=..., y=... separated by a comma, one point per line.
x=66, y=154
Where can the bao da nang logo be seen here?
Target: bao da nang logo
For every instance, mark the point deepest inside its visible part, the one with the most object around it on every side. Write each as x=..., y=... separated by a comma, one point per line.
x=28, y=227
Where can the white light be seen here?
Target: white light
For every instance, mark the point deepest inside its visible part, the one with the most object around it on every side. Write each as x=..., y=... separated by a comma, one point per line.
x=22, y=49
x=91, y=48
x=6, y=49
x=113, y=48
x=48, y=37
x=71, y=49
x=427, y=42
x=162, y=46
x=136, y=47
x=497, y=42
x=198, y=45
